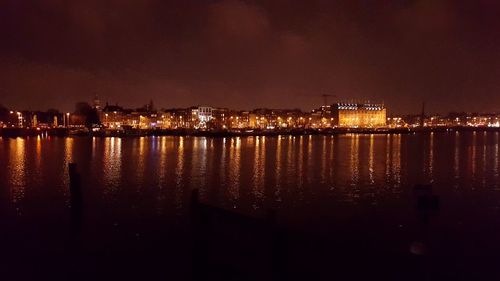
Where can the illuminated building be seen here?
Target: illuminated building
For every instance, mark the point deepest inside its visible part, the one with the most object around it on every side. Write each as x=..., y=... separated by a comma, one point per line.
x=200, y=116
x=264, y=118
x=176, y=118
x=396, y=122
x=112, y=116
x=252, y=120
x=322, y=117
x=359, y=115
x=204, y=114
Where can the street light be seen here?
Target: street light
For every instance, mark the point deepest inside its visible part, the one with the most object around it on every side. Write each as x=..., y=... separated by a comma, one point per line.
x=67, y=115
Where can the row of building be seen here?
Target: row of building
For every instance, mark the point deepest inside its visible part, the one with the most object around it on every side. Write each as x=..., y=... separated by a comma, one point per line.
x=451, y=120
x=211, y=118
x=341, y=114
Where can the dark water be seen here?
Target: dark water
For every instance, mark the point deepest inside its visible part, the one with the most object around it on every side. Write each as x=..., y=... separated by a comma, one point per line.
x=347, y=202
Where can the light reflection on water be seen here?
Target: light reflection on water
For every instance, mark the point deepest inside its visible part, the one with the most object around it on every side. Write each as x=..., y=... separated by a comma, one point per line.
x=112, y=165
x=495, y=160
x=234, y=170
x=179, y=173
x=354, y=161
x=371, y=162
x=17, y=169
x=456, y=160
x=282, y=171
x=431, y=158
x=473, y=156
x=278, y=169
x=259, y=171
x=396, y=161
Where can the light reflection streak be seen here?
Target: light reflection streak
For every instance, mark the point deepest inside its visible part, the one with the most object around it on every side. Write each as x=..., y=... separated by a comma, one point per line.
x=223, y=161
x=473, y=160
x=94, y=146
x=68, y=151
x=354, y=160
x=179, y=174
x=300, y=164
x=483, y=176
x=331, y=161
x=68, y=158
x=310, y=172
x=195, y=176
x=277, y=171
x=371, y=162
x=388, y=153
x=202, y=151
x=112, y=161
x=323, y=160
x=496, y=159
x=396, y=160
x=162, y=175
x=234, y=169
x=456, y=159
x=38, y=155
x=141, y=159
x=212, y=182
x=259, y=170
x=163, y=163
x=290, y=161
x=17, y=170
x=431, y=158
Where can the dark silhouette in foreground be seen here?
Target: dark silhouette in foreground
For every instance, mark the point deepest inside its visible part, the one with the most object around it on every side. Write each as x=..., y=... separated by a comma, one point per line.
x=231, y=246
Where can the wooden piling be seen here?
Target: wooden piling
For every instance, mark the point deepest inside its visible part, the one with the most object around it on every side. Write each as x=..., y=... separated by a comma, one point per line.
x=75, y=187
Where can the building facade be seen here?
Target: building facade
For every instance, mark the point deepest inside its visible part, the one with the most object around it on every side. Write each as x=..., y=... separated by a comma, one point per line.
x=359, y=115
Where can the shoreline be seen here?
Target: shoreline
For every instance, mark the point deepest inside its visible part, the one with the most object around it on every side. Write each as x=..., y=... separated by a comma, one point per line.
x=64, y=132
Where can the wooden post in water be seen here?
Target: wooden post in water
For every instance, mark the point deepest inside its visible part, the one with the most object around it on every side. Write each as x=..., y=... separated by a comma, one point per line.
x=75, y=187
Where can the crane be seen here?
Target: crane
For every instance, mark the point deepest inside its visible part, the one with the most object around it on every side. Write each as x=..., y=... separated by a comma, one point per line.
x=325, y=98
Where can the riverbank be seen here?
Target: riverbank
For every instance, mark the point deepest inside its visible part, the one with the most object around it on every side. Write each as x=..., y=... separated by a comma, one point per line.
x=65, y=132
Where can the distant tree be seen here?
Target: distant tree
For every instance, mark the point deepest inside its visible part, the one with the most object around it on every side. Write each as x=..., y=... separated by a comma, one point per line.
x=151, y=106
x=89, y=113
x=4, y=113
x=82, y=108
x=53, y=112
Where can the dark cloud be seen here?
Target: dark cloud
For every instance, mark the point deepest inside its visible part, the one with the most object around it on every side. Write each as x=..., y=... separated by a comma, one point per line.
x=246, y=54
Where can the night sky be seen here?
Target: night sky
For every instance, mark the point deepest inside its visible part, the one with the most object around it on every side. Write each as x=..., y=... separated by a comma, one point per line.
x=249, y=54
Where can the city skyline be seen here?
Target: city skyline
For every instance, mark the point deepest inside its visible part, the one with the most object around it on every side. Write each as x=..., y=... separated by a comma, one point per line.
x=251, y=54
x=163, y=107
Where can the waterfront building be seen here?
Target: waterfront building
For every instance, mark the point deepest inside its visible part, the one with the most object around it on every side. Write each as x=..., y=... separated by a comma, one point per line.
x=359, y=115
x=113, y=116
x=264, y=118
x=220, y=119
x=321, y=117
x=396, y=122
x=205, y=114
x=238, y=120
x=201, y=116
x=177, y=118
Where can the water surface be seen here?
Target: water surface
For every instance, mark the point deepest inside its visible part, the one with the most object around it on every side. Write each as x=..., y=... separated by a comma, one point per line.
x=348, y=187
